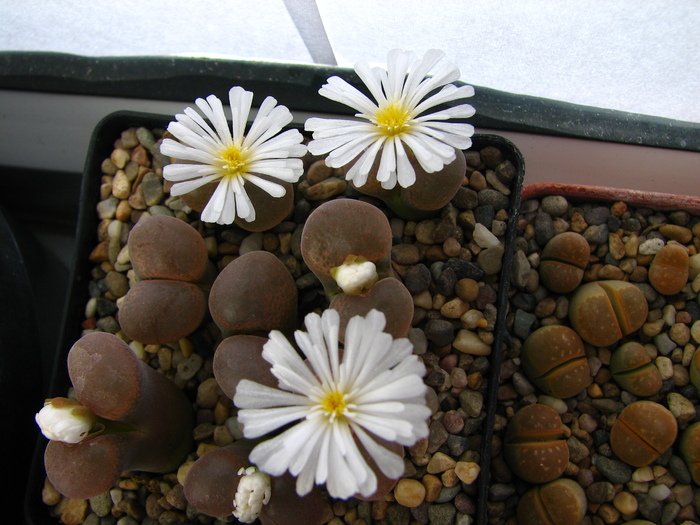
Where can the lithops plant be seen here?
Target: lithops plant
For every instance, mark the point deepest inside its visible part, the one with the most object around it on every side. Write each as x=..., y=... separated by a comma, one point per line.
x=690, y=450
x=222, y=484
x=254, y=294
x=602, y=312
x=643, y=431
x=534, y=445
x=560, y=502
x=633, y=370
x=346, y=243
x=240, y=357
x=429, y=193
x=554, y=359
x=165, y=304
x=668, y=272
x=563, y=261
x=341, y=229
x=144, y=420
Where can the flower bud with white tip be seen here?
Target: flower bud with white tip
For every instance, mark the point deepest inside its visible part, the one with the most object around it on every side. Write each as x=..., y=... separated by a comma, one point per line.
x=356, y=275
x=253, y=492
x=65, y=420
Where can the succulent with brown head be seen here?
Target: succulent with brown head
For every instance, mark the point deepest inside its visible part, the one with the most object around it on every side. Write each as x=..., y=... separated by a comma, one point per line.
x=346, y=243
x=142, y=420
x=254, y=294
x=222, y=483
x=690, y=450
x=553, y=358
x=633, y=370
x=534, y=447
x=602, y=312
x=669, y=269
x=169, y=257
x=563, y=260
x=560, y=502
x=429, y=193
x=643, y=431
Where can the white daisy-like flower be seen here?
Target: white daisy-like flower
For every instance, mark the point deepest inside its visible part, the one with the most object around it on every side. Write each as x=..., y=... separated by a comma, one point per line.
x=233, y=158
x=396, y=120
x=65, y=420
x=371, y=388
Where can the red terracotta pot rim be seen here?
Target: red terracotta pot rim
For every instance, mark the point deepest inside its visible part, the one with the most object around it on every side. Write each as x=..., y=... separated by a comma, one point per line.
x=656, y=200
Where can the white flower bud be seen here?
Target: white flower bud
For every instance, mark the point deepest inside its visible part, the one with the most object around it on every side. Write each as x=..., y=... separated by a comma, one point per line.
x=253, y=492
x=65, y=420
x=355, y=275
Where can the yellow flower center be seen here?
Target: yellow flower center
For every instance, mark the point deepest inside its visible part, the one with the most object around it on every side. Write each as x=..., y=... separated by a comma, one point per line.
x=393, y=119
x=234, y=161
x=334, y=404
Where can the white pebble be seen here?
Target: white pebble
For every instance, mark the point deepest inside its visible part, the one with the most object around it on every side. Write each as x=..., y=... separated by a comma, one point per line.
x=557, y=404
x=91, y=308
x=651, y=246
x=114, y=230
x=123, y=257
x=694, y=265
x=695, y=331
x=484, y=238
x=665, y=366
x=643, y=474
x=669, y=315
x=138, y=350
x=659, y=492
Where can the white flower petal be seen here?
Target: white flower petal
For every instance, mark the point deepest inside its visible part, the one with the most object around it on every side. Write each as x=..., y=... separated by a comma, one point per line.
x=181, y=172
x=187, y=186
x=272, y=188
x=339, y=90
x=320, y=447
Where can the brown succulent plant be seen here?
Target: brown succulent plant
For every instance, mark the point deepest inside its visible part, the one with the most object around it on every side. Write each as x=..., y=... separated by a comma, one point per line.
x=563, y=261
x=254, y=294
x=169, y=300
x=212, y=481
x=669, y=269
x=345, y=230
x=560, y=502
x=554, y=359
x=633, y=369
x=270, y=211
x=147, y=420
x=643, y=431
x=534, y=446
x=429, y=193
x=602, y=312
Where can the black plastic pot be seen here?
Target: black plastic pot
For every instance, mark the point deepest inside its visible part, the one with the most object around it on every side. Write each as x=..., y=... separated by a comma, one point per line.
x=109, y=129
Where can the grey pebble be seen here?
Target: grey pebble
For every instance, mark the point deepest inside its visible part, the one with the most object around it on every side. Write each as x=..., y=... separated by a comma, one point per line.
x=152, y=189
x=523, y=323
x=484, y=215
x=544, y=229
x=679, y=469
x=490, y=260
x=597, y=215
x=649, y=507
x=494, y=198
x=190, y=366
x=670, y=512
x=597, y=234
x=101, y=505
x=615, y=471
x=554, y=205
x=448, y=494
x=600, y=492
x=442, y=514
x=418, y=278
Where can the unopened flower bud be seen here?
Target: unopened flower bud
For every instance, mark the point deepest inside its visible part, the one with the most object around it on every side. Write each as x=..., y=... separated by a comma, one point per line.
x=65, y=420
x=254, y=491
x=355, y=275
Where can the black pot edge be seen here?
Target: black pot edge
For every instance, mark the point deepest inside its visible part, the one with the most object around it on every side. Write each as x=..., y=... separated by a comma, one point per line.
x=101, y=144
x=296, y=85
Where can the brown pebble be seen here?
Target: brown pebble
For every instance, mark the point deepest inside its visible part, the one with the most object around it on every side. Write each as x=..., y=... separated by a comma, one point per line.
x=72, y=511
x=440, y=463
x=326, y=189
x=409, y=492
x=49, y=495
x=467, y=471
x=433, y=486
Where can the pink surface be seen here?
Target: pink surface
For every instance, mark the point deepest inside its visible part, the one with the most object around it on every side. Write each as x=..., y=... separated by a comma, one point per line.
x=655, y=200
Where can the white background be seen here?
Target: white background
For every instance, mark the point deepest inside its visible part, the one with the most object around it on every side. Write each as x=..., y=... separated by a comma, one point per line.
x=640, y=56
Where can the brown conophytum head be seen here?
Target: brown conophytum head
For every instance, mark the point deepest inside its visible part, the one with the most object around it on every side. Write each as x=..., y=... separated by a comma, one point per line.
x=147, y=419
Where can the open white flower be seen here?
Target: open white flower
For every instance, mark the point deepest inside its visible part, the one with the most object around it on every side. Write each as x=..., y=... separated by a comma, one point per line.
x=374, y=389
x=65, y=420
x=233, y=159
x=395, y=120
